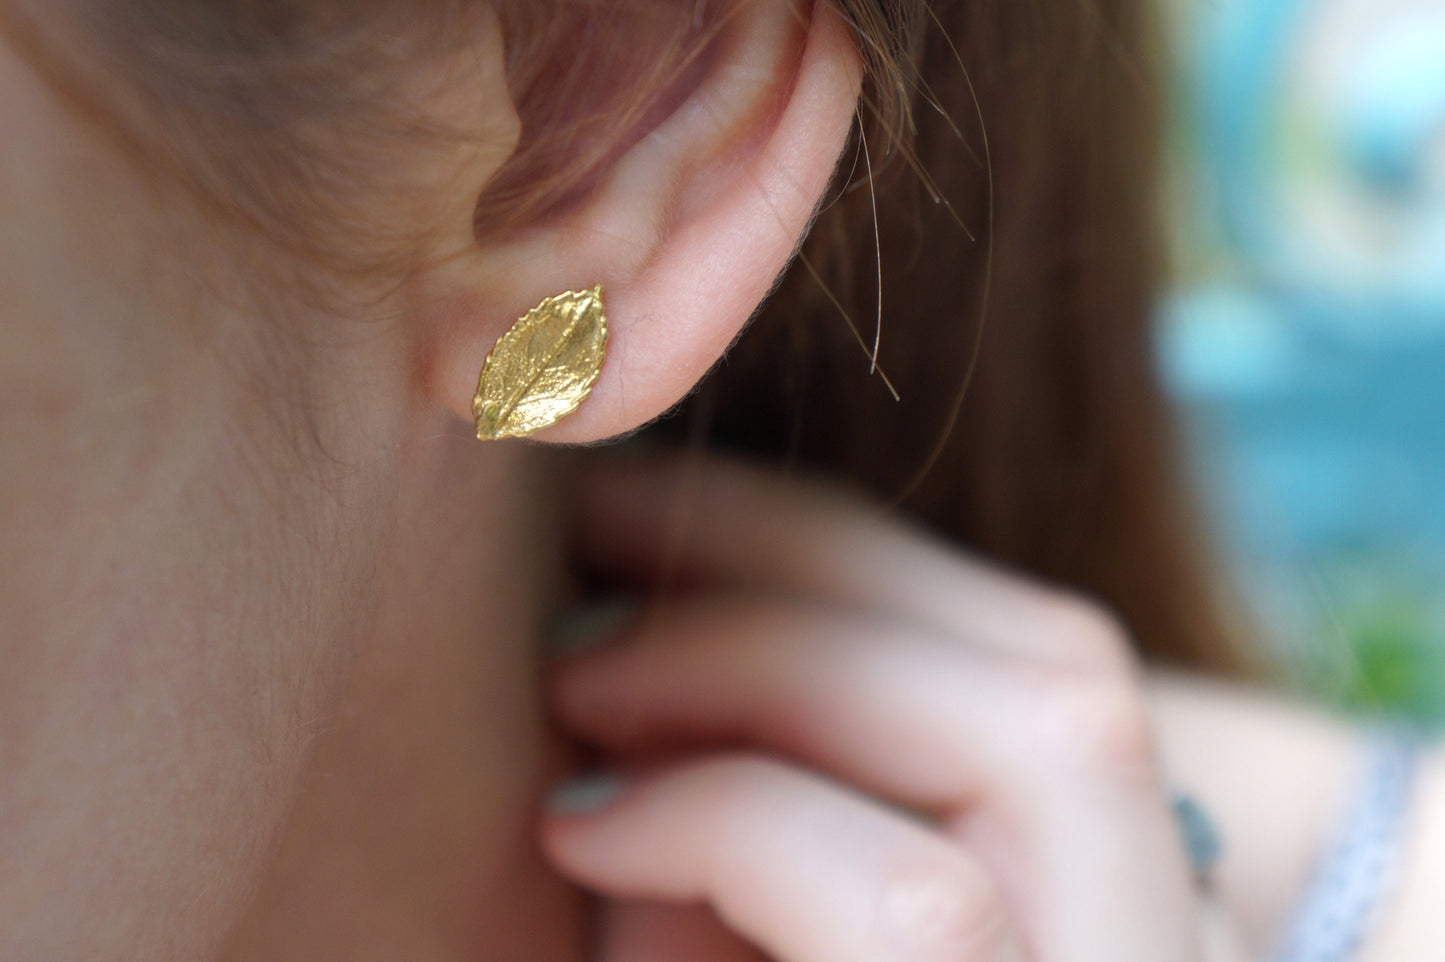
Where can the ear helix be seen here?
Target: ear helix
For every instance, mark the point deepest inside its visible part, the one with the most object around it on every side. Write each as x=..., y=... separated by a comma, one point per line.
x=543, y=368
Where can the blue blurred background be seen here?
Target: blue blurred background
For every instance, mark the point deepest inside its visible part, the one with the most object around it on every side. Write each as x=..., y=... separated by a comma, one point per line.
x=1306, y=334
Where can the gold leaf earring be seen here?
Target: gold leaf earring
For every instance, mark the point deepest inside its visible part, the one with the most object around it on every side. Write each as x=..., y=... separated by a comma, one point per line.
x=543, y=368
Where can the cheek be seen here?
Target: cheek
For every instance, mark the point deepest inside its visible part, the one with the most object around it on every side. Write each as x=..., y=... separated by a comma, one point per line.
x=154, y=660
x=90, y=280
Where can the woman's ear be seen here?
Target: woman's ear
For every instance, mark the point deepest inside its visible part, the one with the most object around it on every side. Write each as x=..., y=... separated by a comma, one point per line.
x=687, y=232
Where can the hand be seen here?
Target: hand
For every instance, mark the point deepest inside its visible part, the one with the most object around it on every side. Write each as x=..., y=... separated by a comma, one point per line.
x=888, y=751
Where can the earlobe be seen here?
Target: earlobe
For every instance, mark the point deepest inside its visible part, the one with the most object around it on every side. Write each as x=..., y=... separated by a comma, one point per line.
x=544, y=368
x=687, y=234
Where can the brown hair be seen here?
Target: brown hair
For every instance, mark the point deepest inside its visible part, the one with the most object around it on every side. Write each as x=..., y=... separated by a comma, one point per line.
x=1019, y=276
x=1017, y=226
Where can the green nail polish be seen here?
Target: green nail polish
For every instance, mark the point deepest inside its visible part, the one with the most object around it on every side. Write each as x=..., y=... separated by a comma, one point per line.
x=585, y=794
x=584, y=627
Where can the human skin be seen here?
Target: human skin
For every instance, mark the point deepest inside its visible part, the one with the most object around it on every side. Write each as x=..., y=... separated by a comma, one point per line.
x=819, y=637
x=273, y=683
x=233, y=519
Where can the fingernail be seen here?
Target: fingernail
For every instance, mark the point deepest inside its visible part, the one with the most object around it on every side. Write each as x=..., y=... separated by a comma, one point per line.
x=587, y=626
x=585, y=794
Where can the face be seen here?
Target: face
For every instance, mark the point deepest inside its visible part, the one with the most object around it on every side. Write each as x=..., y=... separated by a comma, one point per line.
x=166, y=616
x=205, y=436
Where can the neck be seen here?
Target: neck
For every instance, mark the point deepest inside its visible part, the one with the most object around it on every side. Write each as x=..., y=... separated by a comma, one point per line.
x=414, y=833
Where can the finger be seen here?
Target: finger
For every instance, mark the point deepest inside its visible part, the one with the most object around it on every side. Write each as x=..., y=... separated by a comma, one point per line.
x=896, y=711
x=875, y=703
x=1055, y=771
x=803, y=868
x=722, y=524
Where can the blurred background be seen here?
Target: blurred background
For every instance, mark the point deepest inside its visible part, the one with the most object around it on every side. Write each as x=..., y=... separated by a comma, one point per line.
x=1305, y=338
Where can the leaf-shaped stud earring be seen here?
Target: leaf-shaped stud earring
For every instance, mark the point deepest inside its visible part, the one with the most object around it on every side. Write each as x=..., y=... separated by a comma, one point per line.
x=543, y=368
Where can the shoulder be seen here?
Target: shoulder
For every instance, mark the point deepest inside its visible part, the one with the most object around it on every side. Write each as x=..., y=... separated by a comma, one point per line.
x=1412, y=929
x=1277, y=775
x=1273, y=774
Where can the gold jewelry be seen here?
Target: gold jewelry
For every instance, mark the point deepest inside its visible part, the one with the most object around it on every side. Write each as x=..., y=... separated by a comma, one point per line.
x=543, y=368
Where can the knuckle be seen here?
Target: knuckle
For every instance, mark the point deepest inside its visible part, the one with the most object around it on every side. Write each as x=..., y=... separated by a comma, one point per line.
x=1089, y=632
x=1100, y=728
x=940, y=908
